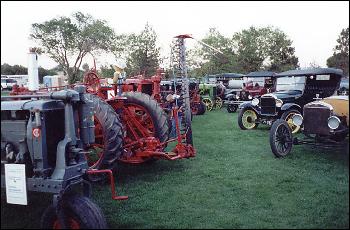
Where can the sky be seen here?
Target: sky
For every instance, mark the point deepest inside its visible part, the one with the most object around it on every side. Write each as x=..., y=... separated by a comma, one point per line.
x=312, y=26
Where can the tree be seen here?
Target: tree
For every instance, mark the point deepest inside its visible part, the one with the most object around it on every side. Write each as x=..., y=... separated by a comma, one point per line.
x=65, y=39
x=141, y=52
x=85, y=67
x=340, y=57
x=204, y=60
x=264, y=48
x=106, y=71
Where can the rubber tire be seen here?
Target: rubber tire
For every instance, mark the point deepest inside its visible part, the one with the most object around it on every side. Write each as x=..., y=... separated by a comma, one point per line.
x=231, y=108
x=112, y=131
x=158, y=115
x=201, y=108
x=274, y=126
x=83, y=210
x=286, y=113
x=240, y=123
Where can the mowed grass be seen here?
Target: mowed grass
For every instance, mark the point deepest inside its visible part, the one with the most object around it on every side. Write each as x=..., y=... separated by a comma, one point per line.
x=233, y=182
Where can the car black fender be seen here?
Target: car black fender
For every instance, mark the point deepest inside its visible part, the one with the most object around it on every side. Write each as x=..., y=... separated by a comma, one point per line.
x=248, y=104
x=289, y=106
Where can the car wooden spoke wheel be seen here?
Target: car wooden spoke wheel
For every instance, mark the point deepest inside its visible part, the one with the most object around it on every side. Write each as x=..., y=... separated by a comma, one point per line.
x=287, y=116
x=281, y=138
x=247, y=118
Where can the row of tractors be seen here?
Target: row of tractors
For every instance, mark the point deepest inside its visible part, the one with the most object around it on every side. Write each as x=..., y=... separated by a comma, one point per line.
x=69, y=137
x=232, y=89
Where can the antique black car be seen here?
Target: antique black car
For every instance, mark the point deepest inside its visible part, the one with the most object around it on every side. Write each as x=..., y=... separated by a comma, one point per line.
x=294, y=89
x=324, y=123
x=254, y=85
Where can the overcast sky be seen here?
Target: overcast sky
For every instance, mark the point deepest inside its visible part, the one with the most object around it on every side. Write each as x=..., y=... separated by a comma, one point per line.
x=312, y=26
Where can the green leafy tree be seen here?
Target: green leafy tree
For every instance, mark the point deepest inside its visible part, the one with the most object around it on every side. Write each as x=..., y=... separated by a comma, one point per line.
x=68, y=40
x=264, y=48
x=106, y=71
x=141, y=51
x=340, y=57
x=204, y=60
x=85, y=67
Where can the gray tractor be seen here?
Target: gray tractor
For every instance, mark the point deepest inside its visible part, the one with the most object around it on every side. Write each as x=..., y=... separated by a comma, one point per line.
x=48, y=136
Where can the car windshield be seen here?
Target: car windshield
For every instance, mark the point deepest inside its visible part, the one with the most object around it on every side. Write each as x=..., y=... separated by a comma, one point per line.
x=256, y=80
x=291, y=83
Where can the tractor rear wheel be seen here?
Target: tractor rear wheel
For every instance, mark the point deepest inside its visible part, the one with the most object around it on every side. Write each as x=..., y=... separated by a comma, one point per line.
x=148, y=112
x=108, y=136
x=218, y=103
x=142, y=117
x=80, y=213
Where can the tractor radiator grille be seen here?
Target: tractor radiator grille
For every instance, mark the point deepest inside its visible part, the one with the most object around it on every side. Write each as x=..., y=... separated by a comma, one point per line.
x=268, y=105
x=316, y=120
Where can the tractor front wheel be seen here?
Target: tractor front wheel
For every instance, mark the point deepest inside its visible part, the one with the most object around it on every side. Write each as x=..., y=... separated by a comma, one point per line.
x=208, y=104
x=79, y=213
x=218, y=103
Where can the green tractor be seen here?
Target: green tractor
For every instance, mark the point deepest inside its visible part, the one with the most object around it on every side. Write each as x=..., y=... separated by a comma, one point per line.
x=210, y=97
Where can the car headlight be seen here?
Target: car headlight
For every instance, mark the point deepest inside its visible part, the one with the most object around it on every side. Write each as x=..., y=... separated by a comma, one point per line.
x=297, y=119
x=255, y=101
x=333, y=122
x=279, y=102
x=250, y=97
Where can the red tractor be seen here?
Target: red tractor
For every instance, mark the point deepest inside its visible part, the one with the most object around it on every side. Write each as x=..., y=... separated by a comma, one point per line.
x=159, y=90
x=131, y=126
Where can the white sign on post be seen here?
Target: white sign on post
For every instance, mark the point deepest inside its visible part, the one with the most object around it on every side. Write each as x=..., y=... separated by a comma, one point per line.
x=15, y=180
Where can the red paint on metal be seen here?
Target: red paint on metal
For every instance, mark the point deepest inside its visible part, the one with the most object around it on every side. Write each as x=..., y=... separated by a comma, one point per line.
x=111, y=180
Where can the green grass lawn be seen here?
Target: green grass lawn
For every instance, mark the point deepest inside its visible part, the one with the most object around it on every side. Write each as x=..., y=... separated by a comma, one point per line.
x=233, y=182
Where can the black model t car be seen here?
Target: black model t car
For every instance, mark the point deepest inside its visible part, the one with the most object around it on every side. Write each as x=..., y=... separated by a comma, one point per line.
x=325, y=123
x=294, y=89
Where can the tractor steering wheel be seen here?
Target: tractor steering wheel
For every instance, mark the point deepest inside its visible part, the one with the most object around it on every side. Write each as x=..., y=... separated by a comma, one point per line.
x=92, y=80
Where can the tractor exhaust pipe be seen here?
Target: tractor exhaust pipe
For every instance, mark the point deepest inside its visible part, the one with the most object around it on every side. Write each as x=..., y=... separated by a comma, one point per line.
x=33, y=73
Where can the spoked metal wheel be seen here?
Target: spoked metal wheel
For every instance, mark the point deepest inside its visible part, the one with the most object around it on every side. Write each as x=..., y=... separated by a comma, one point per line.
x=208, y=104
x=142, y=117
x=218, y=103
x=91, y=79
x=281, y=140
x=247, y=118
x=287, y=116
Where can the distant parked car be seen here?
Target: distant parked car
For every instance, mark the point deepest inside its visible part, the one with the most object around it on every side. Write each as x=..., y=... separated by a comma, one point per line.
x=344, y=87
x=7, y=83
